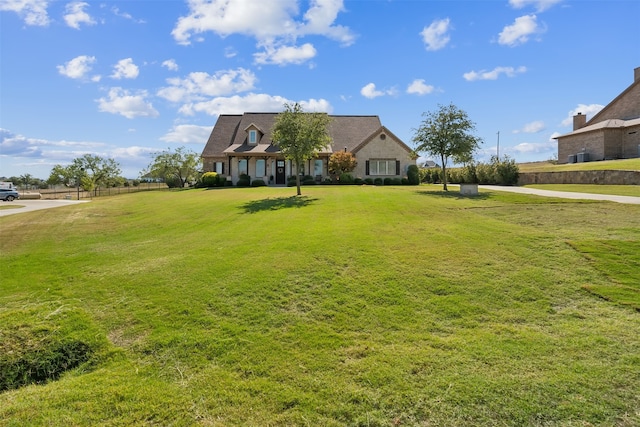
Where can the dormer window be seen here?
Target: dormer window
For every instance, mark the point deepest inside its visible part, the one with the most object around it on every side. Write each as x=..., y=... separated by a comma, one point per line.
x=253, y=136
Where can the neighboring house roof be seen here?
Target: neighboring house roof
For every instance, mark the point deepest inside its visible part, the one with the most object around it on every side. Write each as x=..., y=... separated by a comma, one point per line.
x=605, y=124
x=430, y=164
x=229, y=134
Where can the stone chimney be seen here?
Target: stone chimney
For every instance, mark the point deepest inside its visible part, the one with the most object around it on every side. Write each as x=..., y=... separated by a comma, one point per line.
x=579, y=120
x=636, y=74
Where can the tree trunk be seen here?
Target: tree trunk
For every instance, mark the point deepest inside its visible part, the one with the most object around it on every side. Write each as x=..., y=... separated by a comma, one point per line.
x=444, y=174
x=298, y=177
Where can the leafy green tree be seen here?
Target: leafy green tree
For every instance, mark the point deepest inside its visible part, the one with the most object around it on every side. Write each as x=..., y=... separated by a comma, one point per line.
x=175, y=167
x=300, y=136
x=342, y=162
x=447, y=133
x=95, y=171
x=88, y=172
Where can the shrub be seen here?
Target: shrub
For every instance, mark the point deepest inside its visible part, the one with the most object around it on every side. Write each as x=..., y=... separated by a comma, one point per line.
x=368, y=181
x=327, y=180
x=469, y=173
x=507, y=171
x=358, y=181
x=404, y=181
x=377, y=181
x=346, y=179
x=413, y=175
x=396, y=181
x=244, y=181
x=258, y=183
x=387, y=181
x=173, y=182
x=212, y=179
x=485, y=173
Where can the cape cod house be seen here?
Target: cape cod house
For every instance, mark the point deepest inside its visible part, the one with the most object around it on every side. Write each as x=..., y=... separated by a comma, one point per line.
x=241, y=144
x=613, y=133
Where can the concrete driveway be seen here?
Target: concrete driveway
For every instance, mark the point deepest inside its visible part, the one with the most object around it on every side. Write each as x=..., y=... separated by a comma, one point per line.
x=34, y=205
x=565, y=194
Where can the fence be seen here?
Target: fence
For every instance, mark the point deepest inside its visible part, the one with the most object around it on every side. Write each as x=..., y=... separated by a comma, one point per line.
x=79, y=194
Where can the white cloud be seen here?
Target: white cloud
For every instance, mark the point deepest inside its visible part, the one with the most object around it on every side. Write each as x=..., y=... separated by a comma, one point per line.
x=589, y=110
x=200, y=84
x=125, y=69
x=535, y=147
x=75, y=15
x=419, y=87
x=520, y=31
x=251, y=102
x=436, y=36
x=533, y=127
x=78, y=67
x=34, y=12
x=370, y=91
x=187, y=134
x=540, y=5
x=285, y=54
x=120, y=101
x=493, y=74
x=170, y=64
x=261, y=19
x=125, y=15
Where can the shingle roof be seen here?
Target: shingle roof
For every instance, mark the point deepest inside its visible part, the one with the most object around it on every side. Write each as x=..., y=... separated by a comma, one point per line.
x=605, y=124
x=225, y=128
x=228, y=134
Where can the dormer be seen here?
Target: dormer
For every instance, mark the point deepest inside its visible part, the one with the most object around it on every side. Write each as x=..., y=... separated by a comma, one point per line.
x=254, y=134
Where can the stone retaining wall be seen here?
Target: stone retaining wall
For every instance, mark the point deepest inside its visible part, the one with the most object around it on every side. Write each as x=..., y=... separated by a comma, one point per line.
x=609, y=177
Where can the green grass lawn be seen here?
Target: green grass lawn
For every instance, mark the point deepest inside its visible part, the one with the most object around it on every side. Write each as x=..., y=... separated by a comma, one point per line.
x=618, y=190
x=624, y=164
x=350, y=305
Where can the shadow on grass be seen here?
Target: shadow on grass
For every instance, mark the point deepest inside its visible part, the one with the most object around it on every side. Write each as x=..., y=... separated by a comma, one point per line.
x=277, y=203
x=453, y=195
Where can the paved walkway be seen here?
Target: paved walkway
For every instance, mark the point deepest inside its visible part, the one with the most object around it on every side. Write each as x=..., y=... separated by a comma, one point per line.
x=34, y=205
x=565, y=194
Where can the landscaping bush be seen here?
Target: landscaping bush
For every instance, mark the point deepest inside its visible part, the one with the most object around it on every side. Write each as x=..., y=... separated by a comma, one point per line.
x=413, y=175
x=244, y=181
x=396, y=181
x=485, y=173
x=327, y=180
x=387, y=181
x=212, y=179
x=258, y=183
x=377, y=181
x=368, y=181
x=346, y=179
x=358, y=181
x=507, y=171
x=468, y=174
x=404, y=181
x=174, y=182
x=308, y=180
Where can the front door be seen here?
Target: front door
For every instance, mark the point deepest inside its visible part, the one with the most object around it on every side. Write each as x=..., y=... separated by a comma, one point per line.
x=280, y=174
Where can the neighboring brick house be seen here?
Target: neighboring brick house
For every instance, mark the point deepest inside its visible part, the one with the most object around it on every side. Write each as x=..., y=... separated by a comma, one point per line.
x=613, y=133
x=241, y=144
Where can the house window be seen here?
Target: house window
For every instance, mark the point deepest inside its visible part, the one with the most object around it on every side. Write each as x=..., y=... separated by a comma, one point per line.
x=317, y=167
x=242, y=166
x=382, y=167
x=253, y=137
x=217, y=167
x=260, y=165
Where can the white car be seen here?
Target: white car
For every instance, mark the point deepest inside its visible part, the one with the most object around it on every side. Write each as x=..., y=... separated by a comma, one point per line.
x=8, y=195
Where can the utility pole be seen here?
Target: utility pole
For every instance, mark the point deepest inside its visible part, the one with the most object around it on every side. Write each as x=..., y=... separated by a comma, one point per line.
x=498, y=150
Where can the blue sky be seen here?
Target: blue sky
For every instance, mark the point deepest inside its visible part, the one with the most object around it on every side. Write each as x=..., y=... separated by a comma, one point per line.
x=126, y=79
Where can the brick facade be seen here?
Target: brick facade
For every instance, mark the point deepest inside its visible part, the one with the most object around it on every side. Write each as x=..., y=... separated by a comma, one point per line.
x=613, y=133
